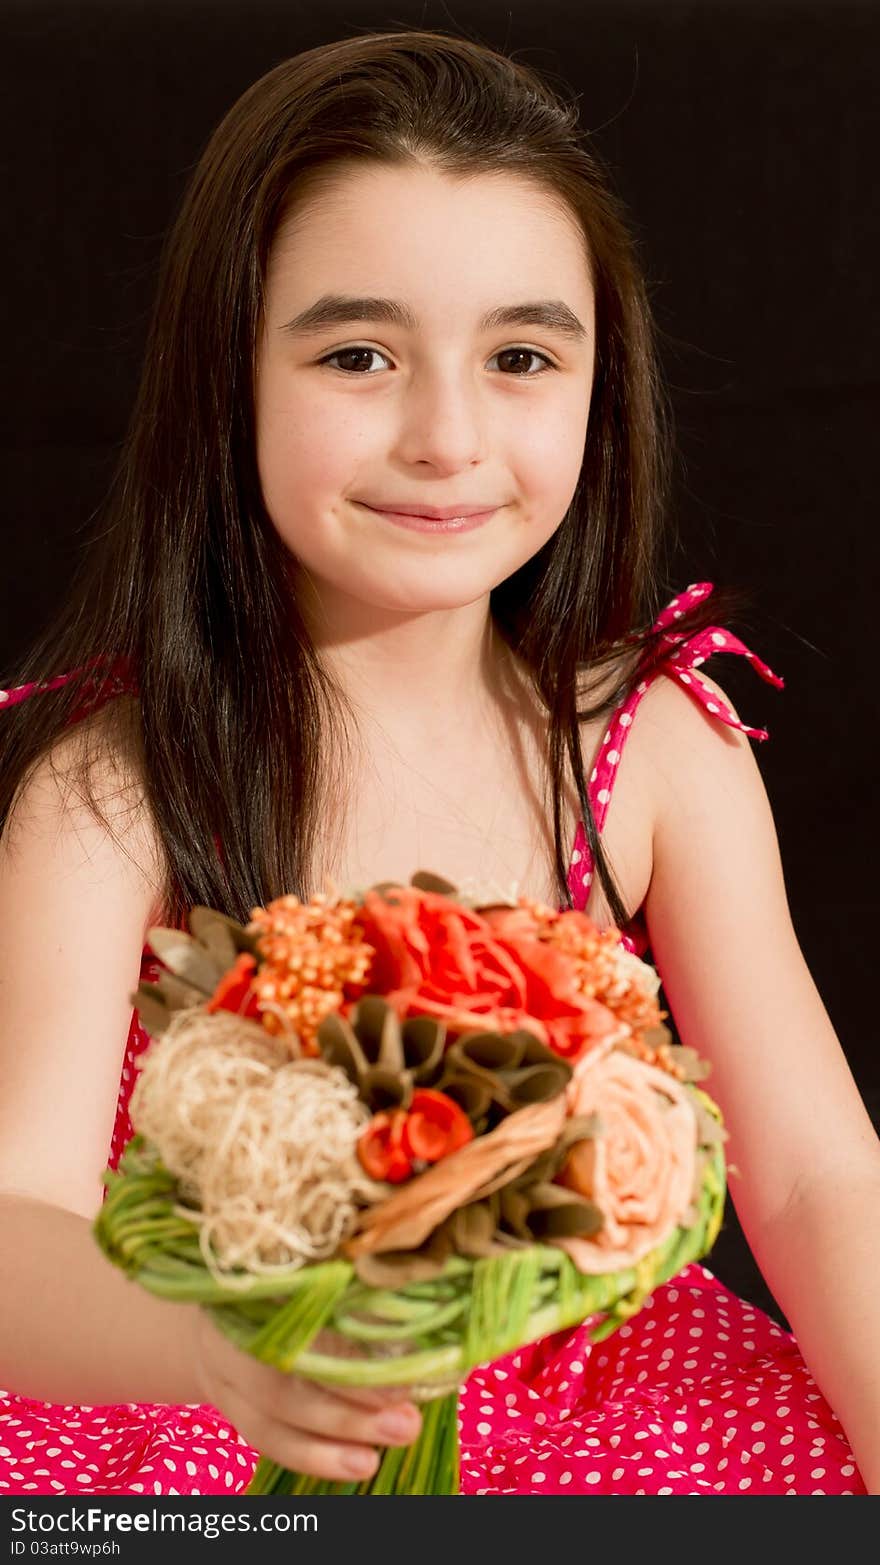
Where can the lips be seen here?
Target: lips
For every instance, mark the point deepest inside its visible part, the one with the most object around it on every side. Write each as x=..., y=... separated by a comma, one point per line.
x=418, y=522
x=434, y=513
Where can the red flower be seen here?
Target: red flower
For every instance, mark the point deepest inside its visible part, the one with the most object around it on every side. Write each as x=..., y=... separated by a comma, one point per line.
x=435, y=1125
x=437, y=958
x=234, y=991
x=427, y=1131
x=380, y=1148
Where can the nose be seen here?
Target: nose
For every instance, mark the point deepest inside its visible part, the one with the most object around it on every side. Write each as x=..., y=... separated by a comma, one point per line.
x=442, y=421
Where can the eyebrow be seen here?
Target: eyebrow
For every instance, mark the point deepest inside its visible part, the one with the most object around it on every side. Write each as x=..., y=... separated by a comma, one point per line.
x=345, y=309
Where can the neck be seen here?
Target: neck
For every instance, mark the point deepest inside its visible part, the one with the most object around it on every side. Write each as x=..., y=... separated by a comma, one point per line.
x=413, y=677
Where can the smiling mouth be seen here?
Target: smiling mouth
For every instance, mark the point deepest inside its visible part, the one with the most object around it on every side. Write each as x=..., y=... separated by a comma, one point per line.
x=434, y=513
x=418, y=522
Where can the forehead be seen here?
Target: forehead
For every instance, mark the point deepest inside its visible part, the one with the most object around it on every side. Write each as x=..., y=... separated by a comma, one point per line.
x=414, y=230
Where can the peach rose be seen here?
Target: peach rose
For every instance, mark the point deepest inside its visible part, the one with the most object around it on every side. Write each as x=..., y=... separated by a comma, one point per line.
x=640, y=1168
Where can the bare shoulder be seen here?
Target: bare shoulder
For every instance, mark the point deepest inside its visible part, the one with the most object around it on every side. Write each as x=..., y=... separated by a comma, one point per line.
x=685, y=745
x=87, y=796
x=77, y=892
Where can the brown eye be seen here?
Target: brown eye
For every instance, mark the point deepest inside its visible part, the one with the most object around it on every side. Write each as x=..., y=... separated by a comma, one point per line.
x=356, y=354
x=521, y=356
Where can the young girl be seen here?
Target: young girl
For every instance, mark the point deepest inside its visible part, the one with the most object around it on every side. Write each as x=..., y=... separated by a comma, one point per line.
x=371, y=596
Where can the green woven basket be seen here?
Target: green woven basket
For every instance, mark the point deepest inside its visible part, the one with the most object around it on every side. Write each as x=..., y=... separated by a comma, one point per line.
x=324, y=1323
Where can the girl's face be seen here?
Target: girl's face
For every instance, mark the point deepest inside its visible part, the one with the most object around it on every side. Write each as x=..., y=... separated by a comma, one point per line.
x=423, y=400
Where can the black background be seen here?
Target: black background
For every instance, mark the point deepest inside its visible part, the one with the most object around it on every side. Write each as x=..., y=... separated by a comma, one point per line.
x=743, y=138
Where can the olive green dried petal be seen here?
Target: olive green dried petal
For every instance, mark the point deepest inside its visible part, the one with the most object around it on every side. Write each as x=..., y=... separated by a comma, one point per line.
x=534, y=1083
x=580, y=1127
x=423, y=1040
x=556, y=1213
x=514, y=1211
x=212, y=931
x=152, y=1010
x=385, y=1089
x=394, y=1268
x=186, y=958
x=469, y=1092
x=486, y=1050
x=688, y=1060
x=178, y=996
x=339, y=1045
x=377, y=1026
x=426, y=880
x=535, y=1052
x=472, y=1229
x=544, y=1167
x=710, y=1132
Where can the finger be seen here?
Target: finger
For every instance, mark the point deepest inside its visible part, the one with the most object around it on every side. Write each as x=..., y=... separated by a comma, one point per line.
x=375, y=1396
x=237, y=1366
x=322, y=1411
x=300, y=1450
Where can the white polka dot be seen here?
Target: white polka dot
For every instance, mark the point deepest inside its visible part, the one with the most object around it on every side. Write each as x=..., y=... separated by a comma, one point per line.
x=603, y=795
x=625, y=719
x=539, y=1477
x=576, y=856
x=613, y=757
x=565, y=1478
x=719, y=639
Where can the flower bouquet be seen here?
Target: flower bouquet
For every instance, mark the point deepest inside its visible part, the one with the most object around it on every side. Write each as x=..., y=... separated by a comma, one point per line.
x=387, y=1136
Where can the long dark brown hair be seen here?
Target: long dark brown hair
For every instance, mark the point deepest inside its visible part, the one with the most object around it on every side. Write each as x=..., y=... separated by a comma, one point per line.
x=238, y=728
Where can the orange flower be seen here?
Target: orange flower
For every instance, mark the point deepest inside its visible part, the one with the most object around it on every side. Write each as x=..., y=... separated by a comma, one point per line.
x=468, y=970
x=640, y=1168
x=312, y=961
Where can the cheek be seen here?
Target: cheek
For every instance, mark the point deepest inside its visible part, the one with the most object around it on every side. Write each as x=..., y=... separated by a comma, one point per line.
x=302, y=454
x=547, y=460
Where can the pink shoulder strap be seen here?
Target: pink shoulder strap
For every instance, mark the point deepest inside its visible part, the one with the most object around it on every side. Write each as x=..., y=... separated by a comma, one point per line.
x=685, y=657
x=117, y=681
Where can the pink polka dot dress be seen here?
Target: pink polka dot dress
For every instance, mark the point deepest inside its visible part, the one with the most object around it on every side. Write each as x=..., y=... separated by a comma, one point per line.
x=700, y=1393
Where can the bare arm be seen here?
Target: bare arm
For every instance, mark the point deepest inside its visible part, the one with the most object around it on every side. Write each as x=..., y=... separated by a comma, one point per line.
x=808, y=1188
x=72, y=1328
x=74, y=909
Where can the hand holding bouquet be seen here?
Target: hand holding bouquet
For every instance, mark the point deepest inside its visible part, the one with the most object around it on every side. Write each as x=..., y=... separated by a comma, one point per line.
x=386, y=1137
